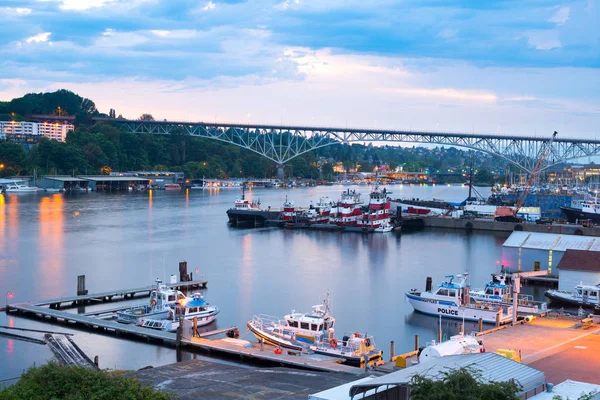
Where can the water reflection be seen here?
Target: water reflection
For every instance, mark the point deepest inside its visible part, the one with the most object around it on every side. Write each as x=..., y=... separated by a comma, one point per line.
x=51, y=228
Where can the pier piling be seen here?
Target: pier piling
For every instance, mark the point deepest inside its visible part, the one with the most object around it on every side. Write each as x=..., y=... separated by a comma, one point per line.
x=480, y=324
x=392, y=350
x=428, y=284
x=81, y=291
x=440, y=336
x=416, y=342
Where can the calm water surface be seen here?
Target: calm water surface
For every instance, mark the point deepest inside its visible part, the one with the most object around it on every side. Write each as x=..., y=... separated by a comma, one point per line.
x=128, y=240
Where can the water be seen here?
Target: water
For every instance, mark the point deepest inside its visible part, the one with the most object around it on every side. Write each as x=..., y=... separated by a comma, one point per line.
x=130, y=239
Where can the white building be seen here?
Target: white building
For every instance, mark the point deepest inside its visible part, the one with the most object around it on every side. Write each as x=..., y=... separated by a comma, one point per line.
x=50, y=130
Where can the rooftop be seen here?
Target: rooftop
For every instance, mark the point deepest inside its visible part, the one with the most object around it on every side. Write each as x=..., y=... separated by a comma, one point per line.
x=64, y=178
x=106, y=178
x=552, y=241
x=570, y=390
x=580, y=260
x=493, y=367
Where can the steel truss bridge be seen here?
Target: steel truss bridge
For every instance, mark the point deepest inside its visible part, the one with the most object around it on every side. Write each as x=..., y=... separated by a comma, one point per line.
x=281, y=143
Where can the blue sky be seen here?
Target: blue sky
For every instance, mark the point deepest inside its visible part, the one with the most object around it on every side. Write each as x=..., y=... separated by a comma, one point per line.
x=518, y=67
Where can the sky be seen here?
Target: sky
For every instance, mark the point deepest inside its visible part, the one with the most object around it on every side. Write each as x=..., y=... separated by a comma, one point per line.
x=525, y=67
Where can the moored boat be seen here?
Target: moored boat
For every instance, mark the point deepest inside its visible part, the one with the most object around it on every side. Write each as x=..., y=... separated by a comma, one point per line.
x=377, y=217
x=457, y=344
x=19, y=188
x=194, y=307
x=589, y=208
x=497, y=291
x=348, y=211
x=452, y=300
x=355, y=349
x=161, y=300
x=583, y=296
x=173, y=187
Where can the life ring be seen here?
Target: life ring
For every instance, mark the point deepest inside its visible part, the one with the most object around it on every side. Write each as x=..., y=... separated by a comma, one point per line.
x=368, y=342
x=486, y=306
x=153, y=302
x=333, y=343
x=356, y=334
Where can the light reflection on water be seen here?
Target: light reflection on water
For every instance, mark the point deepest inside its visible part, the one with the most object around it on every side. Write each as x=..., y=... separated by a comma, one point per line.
x=128, y=240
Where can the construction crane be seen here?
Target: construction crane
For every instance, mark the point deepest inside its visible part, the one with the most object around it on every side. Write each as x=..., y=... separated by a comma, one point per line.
x=508, y=214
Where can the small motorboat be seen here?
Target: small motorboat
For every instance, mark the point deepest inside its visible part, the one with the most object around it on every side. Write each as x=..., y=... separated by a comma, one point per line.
x=189, y=308
x=20, y=188
x=583, y=296
x=161, y=300
x=355, y=349
x=173, y=187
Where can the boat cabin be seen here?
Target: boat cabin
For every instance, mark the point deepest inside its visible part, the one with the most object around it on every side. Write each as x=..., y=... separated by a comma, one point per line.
x=164, y=296
x=587, y=293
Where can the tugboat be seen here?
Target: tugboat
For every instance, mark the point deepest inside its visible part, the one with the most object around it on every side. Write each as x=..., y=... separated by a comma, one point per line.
x=354, y=348
x=348, y=211
x=161, y=300
x=452, y=300
x=377, y=216
x=497, y=291
x=584, y=296
x=245, y=212
x=195, y=307
x=297, y=330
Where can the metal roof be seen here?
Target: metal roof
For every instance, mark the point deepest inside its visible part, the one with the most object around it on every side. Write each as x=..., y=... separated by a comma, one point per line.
x=492, y=367
x=552, y=241
x=569, y=390
x=2, y=181
x=64, y=178
x=106, y=178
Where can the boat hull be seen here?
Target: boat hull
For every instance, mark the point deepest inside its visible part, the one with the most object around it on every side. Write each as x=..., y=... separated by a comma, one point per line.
x=273, y=339
x=575, y=214
x=131, y=316
x=567, y=298
x=451, y=310
x=349, y=358
x=251, y=217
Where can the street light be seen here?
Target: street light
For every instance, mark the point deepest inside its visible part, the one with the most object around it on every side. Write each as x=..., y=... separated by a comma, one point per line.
x=9, y=295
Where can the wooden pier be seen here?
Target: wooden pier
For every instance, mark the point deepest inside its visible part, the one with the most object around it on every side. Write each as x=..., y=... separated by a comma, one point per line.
x=122, y=294
x=222, y=346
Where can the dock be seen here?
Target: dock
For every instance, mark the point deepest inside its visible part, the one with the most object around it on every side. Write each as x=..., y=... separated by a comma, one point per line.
x=221, y=346
x=67, y=352
x=122, y=294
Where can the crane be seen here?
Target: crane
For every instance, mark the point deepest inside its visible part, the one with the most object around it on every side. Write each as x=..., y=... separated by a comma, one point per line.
x=507, y=214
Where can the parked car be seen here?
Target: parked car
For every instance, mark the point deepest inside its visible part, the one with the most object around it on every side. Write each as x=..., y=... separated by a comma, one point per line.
x=544, y=221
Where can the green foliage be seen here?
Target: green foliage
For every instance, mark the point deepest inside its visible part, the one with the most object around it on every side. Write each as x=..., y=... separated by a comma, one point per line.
x=53, y=381
x=484, y=177
x=48, y=103
x=461, y=384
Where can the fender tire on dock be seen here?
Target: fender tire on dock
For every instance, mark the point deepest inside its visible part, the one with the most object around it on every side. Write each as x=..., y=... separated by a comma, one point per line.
x=518, y=228
x=578, y=232
x=469, y=226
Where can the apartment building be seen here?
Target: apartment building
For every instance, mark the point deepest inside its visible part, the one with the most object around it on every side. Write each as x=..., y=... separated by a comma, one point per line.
x=52, y=130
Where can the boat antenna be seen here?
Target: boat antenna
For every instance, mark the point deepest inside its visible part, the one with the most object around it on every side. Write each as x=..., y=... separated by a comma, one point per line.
x=471, y=177
x=327, y=303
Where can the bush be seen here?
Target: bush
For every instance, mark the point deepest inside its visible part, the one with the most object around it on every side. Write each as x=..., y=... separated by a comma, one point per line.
x=53, y=381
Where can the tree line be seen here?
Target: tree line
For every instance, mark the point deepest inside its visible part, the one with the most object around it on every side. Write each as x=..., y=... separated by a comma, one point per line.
x=94, y=148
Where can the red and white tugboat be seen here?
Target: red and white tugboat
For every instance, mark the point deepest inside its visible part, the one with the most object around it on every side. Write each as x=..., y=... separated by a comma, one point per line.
x=377, y=218
x=289, y=210
x=348, y=212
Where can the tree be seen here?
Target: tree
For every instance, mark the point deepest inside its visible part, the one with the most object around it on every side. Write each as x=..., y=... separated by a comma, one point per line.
x=484, y=176
x=146, y=117
x=464, y=383
x=112, y=113
x=53, y=381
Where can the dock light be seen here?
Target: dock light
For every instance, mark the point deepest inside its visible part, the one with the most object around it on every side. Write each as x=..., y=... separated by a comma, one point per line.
x=9, y=295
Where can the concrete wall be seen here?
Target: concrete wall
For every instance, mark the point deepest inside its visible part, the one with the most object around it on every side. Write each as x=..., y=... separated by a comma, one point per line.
x=568, y=279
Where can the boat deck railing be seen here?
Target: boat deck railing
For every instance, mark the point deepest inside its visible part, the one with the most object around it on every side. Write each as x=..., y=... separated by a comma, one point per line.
x=266, y=320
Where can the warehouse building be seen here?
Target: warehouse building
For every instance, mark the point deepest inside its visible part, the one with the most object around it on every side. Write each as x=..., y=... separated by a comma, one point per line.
x=578, y=266
x=531, y=251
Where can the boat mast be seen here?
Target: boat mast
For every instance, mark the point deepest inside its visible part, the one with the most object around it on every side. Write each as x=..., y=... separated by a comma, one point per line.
x=471, y=177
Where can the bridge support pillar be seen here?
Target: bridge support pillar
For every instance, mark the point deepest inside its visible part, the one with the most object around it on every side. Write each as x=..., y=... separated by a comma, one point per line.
x=280, y=171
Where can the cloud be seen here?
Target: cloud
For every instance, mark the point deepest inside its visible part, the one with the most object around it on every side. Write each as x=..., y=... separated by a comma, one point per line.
x=39, y=38
x=543, y=39
x=15, y=11
x=561, y=16
x=209, y=6
x=447, y=33
x=448, y=93
x=175, y=34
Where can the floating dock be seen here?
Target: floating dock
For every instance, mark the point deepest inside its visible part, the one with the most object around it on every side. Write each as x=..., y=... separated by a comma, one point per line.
x=123, y=294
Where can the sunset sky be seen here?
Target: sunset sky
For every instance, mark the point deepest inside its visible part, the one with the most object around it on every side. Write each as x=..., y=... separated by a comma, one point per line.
x=514, y=67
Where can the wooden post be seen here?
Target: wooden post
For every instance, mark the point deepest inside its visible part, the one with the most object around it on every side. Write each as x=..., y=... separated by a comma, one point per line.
x=480, y=324
x=440, y=336
x=392, y=350
x=262, y=344
x=81, y=286
x=196, y=326
x=416, y=342
x=183, y=271
x=462, y=328
x=96, y=361
x=498, y=319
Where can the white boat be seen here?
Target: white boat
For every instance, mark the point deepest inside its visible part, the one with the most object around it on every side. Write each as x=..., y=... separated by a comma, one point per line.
x=497, y=291
x=355, y=349
x=194, y=307
x=452, y=300
x=458, y=344
x=159, y=307
x=53, y=190
x=584, y=295
x=297, y=330
x=19, y=188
